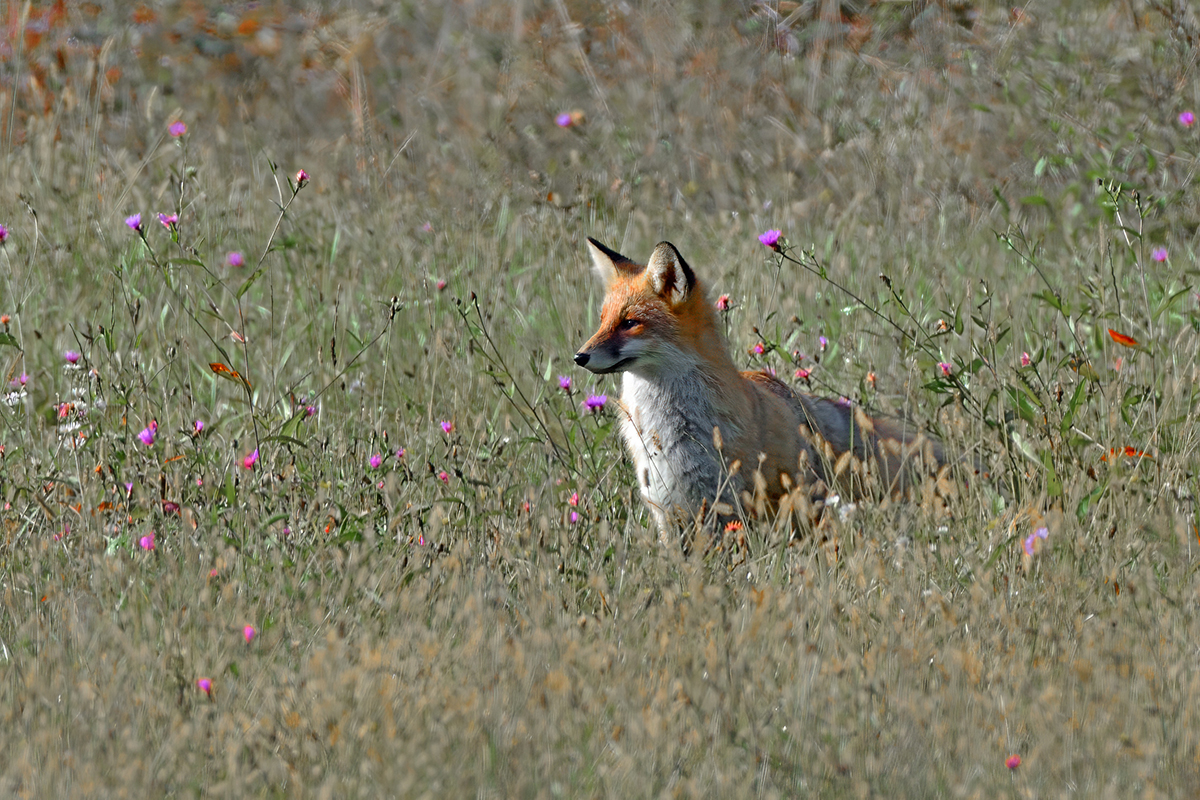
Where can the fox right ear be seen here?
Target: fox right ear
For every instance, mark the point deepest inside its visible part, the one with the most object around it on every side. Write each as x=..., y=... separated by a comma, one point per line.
x=609, y=264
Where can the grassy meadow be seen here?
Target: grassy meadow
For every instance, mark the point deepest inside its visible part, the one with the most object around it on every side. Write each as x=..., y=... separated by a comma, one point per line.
x=294, y=502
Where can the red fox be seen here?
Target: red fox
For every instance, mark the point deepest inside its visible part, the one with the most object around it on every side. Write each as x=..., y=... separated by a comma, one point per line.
x=705, y=437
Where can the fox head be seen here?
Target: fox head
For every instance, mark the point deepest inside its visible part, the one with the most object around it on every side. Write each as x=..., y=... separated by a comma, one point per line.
x=655, y=317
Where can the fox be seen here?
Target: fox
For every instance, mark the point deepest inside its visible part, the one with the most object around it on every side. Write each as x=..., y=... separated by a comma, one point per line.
x=708, y=440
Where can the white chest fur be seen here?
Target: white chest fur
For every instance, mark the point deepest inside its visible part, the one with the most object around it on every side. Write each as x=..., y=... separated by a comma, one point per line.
x=668, y=429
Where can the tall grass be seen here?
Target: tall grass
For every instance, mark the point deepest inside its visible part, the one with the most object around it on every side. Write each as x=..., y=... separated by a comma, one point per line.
x=452, y=583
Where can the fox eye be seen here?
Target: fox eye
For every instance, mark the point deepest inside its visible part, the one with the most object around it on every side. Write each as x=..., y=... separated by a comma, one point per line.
x=629, y=323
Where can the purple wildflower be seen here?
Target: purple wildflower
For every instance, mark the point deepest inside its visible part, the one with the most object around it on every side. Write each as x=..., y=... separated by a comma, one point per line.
x=376, y=460
x=723, y=303
x=563, y=120
x=147, y=542
x=1187, y=119
x=1031, y=542
x=1159, y=254
x=148, y=433
x=235, y=259
x=205, y=685
x=71, y=356
x=946, y=368
x=3, y=234
x=134, y=221
x=1025, y=360
x=447, y=426
x=168, y=219
x=178, y=128
x=770, y=238
x=248, y=633
x=198, y=425
x=595, y=402
x=249, y=461
x=564, y=382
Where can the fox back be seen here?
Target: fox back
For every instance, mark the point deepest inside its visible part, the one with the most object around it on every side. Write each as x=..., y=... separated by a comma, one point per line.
x=704, y=436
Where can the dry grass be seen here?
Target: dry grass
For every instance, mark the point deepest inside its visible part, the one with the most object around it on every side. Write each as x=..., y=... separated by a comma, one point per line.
x=437, y=626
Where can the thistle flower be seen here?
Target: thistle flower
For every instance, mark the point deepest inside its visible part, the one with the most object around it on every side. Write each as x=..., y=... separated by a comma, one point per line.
x=235, y=259
x=573, y=500
x=198, y=425
x=205, y=685
x=447, y=426
x=823, y=342
x=441, y=284
x=563, y=120
x=148, y=433
x=443, y=477
x=770, y=238
x=71, y=356
x=1025, y=360
x=301, y=179
x=803, y=373
x=595, y=402
x=758, y=349
x=178, y=128
x=564, y=382
x=723, y=303
x=248, y=633
x=574, y=517
x=1031, y=544
x=134, y=221
x=3, y=234
x=376, y=460
x=400, y=453
x=1013, y=761
x=945, y=367
x=168, y=219
x=147, y=542
x=249, y=461
x=1159, y=254
x=1187, y=119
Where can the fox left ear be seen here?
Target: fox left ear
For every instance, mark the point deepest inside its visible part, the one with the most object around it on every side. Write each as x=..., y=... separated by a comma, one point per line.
x=609, y=264
x=669, y=274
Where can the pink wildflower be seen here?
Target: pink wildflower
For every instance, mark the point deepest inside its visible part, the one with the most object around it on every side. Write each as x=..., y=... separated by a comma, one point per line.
x=148, y=433
x=573, y=500
x=447, y=426
x=178, y=128
x=205, y=685
x=376, y=460
x=1025, y=360
x=71, y=356
x=198, y=425
x=400, y=453
x=441, y=284
x=3, y=234
x=249, y=461
x=770, y=238
x=168, y=219
x=758, y=349
x=301, y=179
x=563, y=120
x=147, y=542
x=946, y=368
x=723, y=303
x=803, y=373
x=248, y=632
x=1159, y=254
x=443, y=477
x=595, y=402
x=823, y=342
x=1013, y=761
x=1031, y=545
x=134, y=221
x=564, y=382
x=235, y=259
x=1187, y=119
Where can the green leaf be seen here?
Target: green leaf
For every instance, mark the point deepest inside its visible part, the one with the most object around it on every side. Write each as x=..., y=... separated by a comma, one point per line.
x=1086, y=502
x=245, y=287
x=279, y=437
x=1073, y=407
x=9, y=339
x=1034, y=200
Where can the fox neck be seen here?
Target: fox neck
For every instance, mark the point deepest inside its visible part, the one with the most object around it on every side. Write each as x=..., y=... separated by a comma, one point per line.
x=699, y=380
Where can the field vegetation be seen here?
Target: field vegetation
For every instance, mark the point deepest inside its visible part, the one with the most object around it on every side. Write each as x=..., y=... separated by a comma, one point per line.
x=301, y=493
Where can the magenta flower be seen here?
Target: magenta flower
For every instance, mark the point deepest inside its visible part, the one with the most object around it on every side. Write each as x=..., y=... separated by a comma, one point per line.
x=147, y=541
x=178, y=128
x=770, y=238
x=563, y=120
x=564, y=382
x=376, y=460
x=945, y=367
x=758, y=349
x=170, y=508
x=1187, y=119
x=447, y=426
x=574, y=517
x=3, y=234
x=71, y=356
x=441, y=284
x=148, y=433
x=427, y=227
x=1031, y=545
x=248, y=632
x=573, y=500
x=128, y=489
x=19, y=381
x=205, y=685
x=168, y=219
x=1159, y=254
x=803, y=373
x=1013, y=761
x=134, y=221
x=400, y=453
x=249, y=461
x=1025, y=360
x=301, y=179
x=723, y=303
x=212, y=573
x=443, y=477
x=235, y=259
x=595, y=402
x=821, y=340
x=309, y=411
x=198, y=425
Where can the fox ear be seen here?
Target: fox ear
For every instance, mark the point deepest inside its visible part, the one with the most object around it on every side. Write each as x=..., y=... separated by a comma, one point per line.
x=669, y=274
x=609, y=264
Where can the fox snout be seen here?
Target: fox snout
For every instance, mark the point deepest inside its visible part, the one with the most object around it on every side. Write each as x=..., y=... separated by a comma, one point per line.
x=582, y=358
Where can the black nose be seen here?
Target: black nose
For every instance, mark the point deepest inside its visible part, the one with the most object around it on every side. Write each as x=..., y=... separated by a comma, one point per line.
x=582, y=358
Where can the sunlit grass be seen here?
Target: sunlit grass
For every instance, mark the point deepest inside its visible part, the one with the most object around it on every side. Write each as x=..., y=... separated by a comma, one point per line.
x=302, y=493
